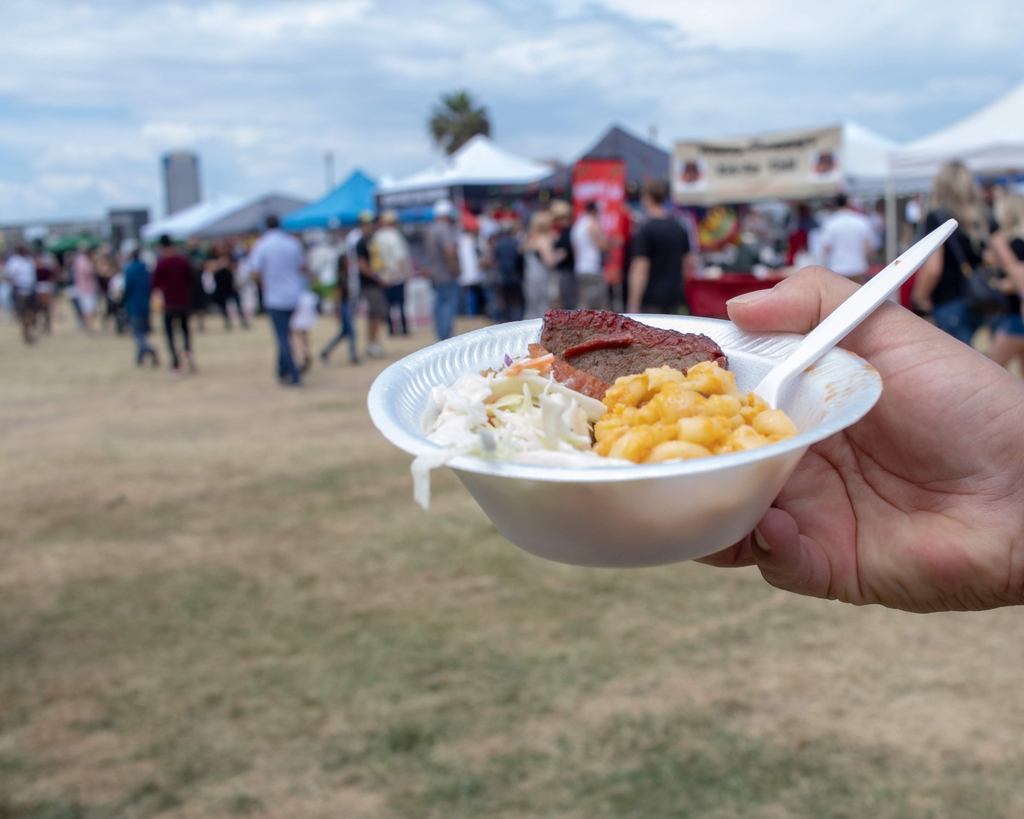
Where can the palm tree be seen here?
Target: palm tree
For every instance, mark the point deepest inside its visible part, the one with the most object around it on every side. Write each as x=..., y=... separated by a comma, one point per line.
x=457, y=120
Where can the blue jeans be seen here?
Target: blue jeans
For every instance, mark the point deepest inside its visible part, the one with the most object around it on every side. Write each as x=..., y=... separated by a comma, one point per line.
x=396, y=298
x=140, y=326
x=954, y=318
x=446, y=307
x=286, y=368
x=1012, y=325
x=345, y=314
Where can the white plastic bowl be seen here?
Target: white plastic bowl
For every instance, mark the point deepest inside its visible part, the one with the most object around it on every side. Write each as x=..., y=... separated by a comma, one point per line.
x=644, y=515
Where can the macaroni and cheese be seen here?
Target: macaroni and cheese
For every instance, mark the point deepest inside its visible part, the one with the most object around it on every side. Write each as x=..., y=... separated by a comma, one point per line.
x=662, y=415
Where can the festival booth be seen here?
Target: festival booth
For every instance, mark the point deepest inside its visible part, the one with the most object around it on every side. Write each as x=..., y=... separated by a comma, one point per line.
x=989, y=142
x=715, y=176
x=341, y=206
x=479, y=171
x=221, y=216
x=611, y=174
x=642, y=160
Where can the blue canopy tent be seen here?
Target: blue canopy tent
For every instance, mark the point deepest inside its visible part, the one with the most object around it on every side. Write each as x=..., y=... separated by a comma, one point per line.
x=341, y=206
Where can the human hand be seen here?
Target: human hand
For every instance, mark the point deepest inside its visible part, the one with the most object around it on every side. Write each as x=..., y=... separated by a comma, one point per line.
x=919, y=505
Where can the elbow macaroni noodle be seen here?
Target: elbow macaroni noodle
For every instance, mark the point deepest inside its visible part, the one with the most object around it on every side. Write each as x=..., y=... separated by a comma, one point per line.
x=662, y=415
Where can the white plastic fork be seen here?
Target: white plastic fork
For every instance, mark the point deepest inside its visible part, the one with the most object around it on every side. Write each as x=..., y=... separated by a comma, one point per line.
x=850, y=313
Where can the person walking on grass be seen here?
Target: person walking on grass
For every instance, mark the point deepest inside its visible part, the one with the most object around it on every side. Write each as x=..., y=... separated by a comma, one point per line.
x=279, y=260
x=588, y=243
x=539, y=259
x=849, y=241
x=175, y=280
x=371, y=285
x=443, y=262
x=87, y=288
x=46, y=277
x=304, y=319
x=136, y=305
x=395, y=267
x=346, y=328
x=20, y=272
x=221, y=266
x=561, y=216
x=662, y=261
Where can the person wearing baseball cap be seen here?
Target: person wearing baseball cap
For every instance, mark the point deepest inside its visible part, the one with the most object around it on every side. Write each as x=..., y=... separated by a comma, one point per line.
x=443, y=264
x=395, y=267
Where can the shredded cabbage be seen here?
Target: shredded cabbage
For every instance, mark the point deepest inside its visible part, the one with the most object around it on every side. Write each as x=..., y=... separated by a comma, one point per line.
x=525, y=417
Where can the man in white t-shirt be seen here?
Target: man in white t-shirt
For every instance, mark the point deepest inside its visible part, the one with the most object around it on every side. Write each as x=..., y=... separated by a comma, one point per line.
x=20, y=271
x=848, y=240
x=280, y=261
x=588, y=242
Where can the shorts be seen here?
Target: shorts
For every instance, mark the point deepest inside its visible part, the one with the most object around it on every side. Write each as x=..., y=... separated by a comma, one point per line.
x=24, y=303
x=376, y=300
x=1011, y=325
x=306, y=312
x=87, y=303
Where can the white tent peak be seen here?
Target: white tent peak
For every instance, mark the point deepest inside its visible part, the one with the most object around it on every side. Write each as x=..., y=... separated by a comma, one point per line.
x=999, y=122
x=479, y=162
x=866, y=152
x=856, y=131
x=193, y=219
x=989, y=140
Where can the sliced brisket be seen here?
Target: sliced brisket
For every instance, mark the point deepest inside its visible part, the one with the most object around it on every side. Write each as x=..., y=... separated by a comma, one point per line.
x=571, y=377
x=605, y=345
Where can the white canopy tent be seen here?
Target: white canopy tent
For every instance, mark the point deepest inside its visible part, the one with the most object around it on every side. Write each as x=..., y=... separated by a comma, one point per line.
x=866, y=154
x=479, y=162
x=191, y=220
x=990, y=140
x=222, y=216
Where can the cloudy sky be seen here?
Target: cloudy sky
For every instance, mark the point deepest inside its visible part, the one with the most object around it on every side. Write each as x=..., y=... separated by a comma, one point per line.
x=91, y=93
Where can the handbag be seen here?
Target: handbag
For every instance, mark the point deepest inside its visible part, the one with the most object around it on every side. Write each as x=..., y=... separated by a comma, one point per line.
x=984, y=295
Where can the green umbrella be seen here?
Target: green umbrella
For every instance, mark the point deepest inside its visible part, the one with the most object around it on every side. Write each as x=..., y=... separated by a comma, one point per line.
x=71, y=242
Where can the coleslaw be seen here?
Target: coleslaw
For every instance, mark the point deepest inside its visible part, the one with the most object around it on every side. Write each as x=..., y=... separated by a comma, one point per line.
x=519, y=413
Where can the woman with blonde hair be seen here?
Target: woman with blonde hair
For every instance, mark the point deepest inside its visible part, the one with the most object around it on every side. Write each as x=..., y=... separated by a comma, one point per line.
x=1008, y=253
x=940, y=287
x=539, y=258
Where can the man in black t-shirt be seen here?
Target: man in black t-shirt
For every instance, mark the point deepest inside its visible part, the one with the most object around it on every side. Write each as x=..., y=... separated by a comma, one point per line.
x=661, y=258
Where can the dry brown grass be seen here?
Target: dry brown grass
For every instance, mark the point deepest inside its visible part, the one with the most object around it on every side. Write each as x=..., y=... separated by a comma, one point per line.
x=217, y=598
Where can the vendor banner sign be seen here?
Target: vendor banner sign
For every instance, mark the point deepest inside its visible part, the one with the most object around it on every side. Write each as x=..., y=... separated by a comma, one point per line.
x=604, y=181
x=787, y=165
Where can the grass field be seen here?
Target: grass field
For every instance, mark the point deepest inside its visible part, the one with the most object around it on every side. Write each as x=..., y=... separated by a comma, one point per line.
x=218, y=599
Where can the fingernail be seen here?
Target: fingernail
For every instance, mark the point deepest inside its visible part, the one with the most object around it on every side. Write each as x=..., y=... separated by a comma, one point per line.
x=760, y=542
x=748, y=298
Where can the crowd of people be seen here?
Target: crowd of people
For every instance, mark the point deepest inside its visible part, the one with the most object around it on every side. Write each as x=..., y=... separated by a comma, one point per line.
x=502, y=264
x=285, y=280
x=515, y=268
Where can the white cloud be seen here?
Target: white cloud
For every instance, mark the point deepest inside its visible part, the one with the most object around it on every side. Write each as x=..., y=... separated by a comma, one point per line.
x=813, y=27
x=91, y=93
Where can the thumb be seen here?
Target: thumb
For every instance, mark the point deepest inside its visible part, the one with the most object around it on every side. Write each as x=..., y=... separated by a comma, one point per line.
x=795, y=305
x=788, y=560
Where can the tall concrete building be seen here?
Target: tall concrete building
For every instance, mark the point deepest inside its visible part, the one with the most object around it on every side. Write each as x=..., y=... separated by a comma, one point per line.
x=181, y=180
